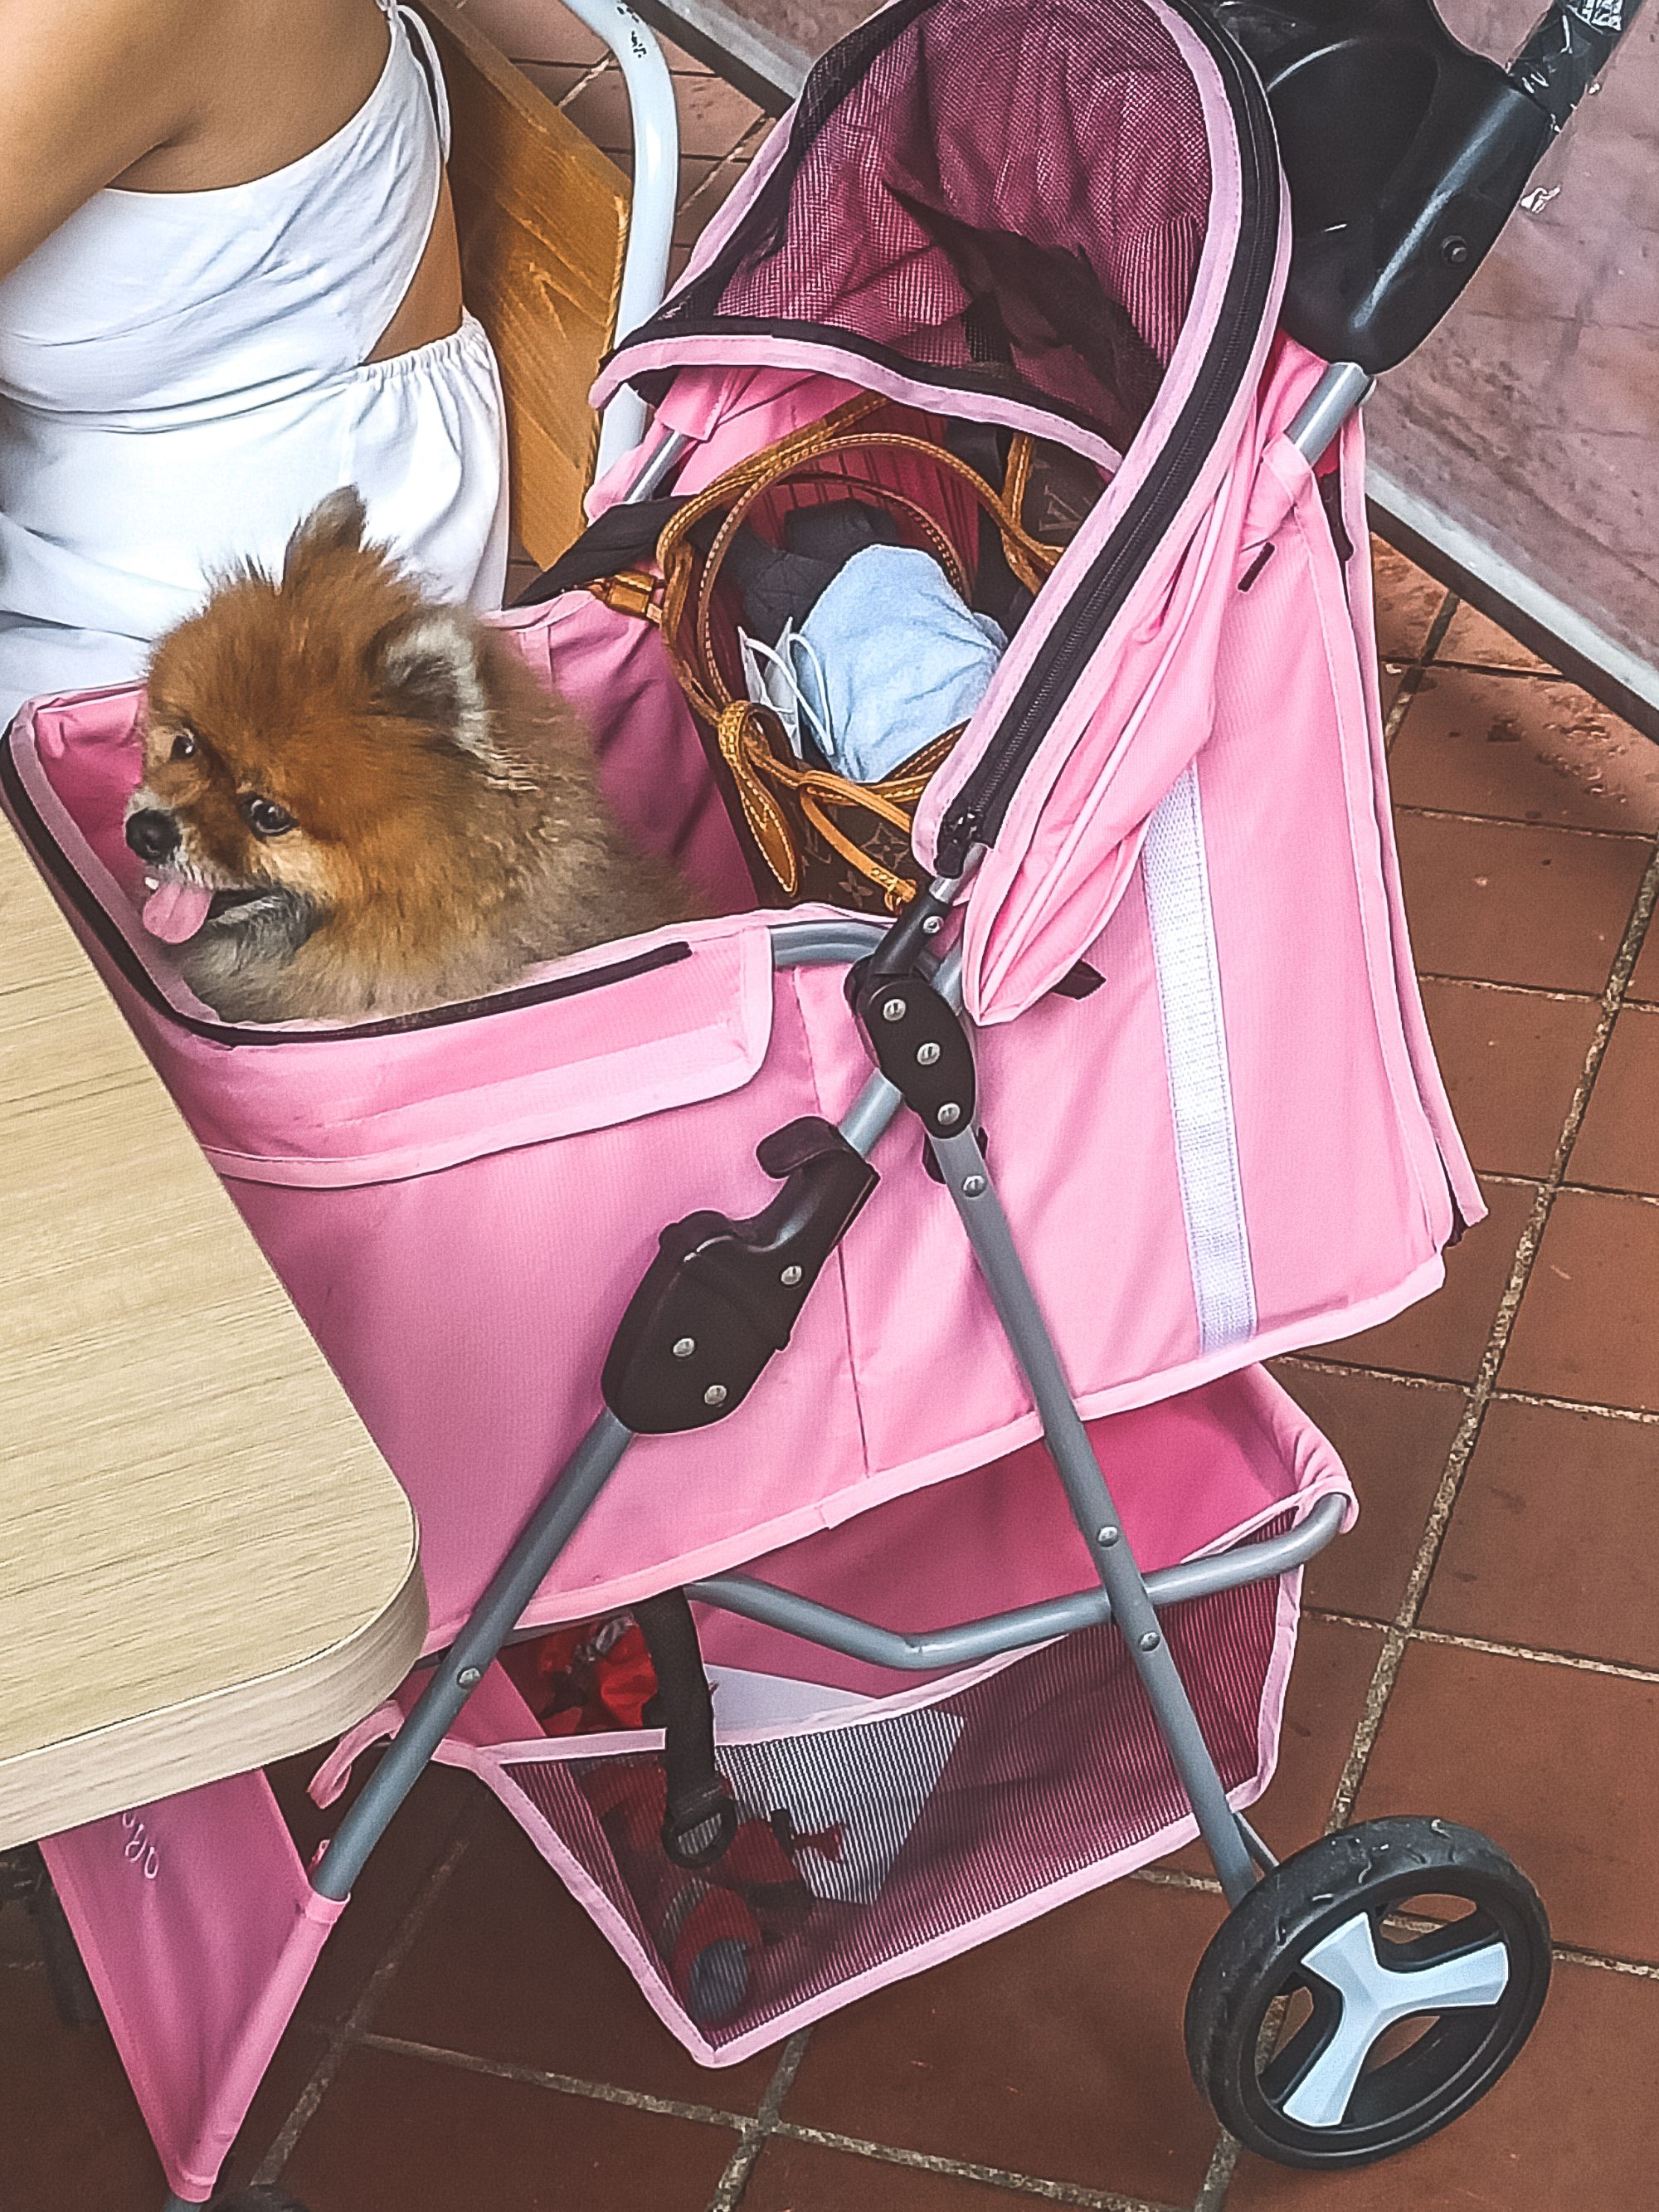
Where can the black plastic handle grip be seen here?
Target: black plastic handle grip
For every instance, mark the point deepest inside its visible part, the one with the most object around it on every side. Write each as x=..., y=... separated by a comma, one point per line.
x=1405, y=152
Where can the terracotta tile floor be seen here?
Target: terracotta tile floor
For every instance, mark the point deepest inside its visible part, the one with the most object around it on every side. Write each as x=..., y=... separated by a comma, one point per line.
x=1486, y=1646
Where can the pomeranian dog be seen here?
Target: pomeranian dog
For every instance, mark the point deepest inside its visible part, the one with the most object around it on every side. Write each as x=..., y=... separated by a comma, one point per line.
x=357, y=802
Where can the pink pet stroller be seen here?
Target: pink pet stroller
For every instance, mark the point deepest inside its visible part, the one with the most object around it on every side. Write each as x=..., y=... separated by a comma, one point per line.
x=927, y=1455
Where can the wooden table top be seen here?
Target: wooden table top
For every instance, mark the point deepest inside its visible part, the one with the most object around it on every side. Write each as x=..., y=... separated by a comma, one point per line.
x=204, y=1563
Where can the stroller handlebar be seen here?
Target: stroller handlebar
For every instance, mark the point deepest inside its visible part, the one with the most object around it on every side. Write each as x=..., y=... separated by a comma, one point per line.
x=1570, y=46
x=1405, y=152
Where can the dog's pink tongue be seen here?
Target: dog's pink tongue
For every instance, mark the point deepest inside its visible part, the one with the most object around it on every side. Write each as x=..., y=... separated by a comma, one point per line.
x=176, y=912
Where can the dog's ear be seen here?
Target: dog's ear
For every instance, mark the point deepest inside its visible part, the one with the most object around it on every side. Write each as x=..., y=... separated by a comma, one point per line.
x=426, y=668
x=335, y=524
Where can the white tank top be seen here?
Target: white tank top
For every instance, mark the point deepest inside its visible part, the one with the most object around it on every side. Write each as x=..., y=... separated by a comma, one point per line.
x=182, y=378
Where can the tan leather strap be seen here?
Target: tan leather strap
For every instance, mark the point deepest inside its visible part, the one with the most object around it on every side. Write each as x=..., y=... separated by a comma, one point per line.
x=750, y=736
x=753, y=746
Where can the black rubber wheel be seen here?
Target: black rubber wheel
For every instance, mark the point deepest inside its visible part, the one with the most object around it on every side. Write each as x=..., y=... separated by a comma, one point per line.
x=1328, y=2081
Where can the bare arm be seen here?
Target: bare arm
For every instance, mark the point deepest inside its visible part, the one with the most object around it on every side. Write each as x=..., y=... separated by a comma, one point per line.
x=92, y=86
x=168, y=96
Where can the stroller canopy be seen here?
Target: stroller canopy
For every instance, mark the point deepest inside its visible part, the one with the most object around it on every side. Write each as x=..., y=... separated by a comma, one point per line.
x=1015, y=201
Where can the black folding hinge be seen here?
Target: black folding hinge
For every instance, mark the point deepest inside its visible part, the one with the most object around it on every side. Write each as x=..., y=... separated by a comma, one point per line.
x=917, y=1040
x=722, y=1296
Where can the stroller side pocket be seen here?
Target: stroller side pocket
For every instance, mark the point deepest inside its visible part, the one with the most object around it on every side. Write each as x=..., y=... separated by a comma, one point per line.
x=199, y=1930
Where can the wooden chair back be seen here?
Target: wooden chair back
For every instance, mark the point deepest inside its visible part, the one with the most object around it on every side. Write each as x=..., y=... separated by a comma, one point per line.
x=543, y=219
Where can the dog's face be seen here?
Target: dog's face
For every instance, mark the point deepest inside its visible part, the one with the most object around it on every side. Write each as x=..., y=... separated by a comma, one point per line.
x=310, y=742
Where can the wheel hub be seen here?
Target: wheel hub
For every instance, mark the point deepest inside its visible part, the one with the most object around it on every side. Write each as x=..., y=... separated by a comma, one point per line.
x=1375, y=1996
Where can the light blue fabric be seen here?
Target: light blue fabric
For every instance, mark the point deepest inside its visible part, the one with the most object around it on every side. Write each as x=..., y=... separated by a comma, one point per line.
x=887, y=660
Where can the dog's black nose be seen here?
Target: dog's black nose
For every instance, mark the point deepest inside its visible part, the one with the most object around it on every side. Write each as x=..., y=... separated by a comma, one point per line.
x=152, y=835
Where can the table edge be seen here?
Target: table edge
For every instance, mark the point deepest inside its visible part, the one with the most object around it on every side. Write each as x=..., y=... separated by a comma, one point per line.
x=147, y=1756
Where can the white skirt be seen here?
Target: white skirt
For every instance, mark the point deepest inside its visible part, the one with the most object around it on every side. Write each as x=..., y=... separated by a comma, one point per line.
x=111, y=533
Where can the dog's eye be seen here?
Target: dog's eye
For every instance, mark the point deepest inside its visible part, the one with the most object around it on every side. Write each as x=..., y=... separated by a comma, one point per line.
x=265, y=818
x=184, y=746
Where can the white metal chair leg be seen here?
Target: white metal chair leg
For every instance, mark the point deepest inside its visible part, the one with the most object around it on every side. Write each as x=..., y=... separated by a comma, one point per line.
x=656, y=134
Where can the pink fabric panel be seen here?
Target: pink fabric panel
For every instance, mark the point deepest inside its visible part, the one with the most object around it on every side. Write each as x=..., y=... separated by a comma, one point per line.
x=200, y=1931
x=1432, y=1089
x=477, y=1370
x=1102, y=1239
x=1069, y=842
x=652, y=767
x=1310, y=819
x=468, y=1311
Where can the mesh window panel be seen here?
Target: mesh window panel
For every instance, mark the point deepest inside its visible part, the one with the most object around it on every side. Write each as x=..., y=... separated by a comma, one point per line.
x=914, y=1827
x=1013, y=198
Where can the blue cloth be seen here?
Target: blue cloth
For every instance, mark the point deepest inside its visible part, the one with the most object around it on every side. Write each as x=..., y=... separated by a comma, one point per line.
x=889, y=659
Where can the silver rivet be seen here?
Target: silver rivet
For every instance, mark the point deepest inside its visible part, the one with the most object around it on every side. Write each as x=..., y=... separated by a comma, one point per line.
x=1108, y=1536
x=684, y=1346
x=972, y=1187
x=926, y=1054
x=894, y=1010
x=933, y=925
x=948, y=1115
x=1150, y=1641
x=469, y=1678
x=789, y=1277
x=714, y=1395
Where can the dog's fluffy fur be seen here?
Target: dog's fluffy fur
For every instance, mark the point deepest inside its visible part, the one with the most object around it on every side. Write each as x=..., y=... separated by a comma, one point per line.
x=390, y=810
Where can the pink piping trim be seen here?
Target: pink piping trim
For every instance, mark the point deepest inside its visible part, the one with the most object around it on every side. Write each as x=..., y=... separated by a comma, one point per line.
x=1431, y=1085
x=743, y=350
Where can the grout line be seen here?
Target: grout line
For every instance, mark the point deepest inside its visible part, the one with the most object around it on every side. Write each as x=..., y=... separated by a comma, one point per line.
x=757, y=2133
x=921, y=2162
x=564, y=2085
x=1579, y=1406
x=1167, y=1877
x=1213, y=2193
x=1604, y=1962
x=1315, y=1365
x=1415, y=670
x=1407, y=1376
x=596, y=69
x=728, y=159
x=1501, y=1395
x=1435, y=637
x=350, y=2030
x=1490, y=668
x=1483, y=1386
x=1513, y=990
x=1493, y=1647
x=1516, y=822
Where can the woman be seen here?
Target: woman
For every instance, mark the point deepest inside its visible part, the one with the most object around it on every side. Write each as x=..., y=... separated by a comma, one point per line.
x=229, y=283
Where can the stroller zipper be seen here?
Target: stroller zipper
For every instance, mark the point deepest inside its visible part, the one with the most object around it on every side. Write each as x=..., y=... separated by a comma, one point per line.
x=979, y=807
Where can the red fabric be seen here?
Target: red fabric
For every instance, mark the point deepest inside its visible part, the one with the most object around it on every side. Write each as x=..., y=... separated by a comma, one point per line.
x=585, y=1680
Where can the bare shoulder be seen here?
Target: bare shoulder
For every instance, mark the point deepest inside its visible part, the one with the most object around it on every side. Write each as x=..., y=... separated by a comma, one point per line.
x=91, y=87
x=94, y=31
x=126, y=63
x=168, y=95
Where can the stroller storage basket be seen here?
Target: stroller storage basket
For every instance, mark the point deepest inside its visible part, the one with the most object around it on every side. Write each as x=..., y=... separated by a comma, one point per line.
x=926, y=1814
